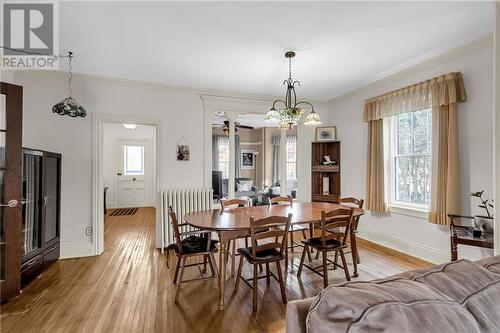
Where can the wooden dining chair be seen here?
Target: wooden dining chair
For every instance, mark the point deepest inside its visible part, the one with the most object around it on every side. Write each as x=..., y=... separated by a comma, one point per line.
x=355, y=203
x=191, y=246
x=266, y=248
x=288, y=200
x=329, y=241
x=231, y=203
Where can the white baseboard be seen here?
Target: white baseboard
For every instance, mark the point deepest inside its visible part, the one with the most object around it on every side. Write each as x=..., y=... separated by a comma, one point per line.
x=401, y=245
x=76, y=250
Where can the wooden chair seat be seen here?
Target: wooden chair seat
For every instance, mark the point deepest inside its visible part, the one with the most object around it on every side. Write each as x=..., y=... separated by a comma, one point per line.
x=331, y=244
x=261, y=257
x=194, y=244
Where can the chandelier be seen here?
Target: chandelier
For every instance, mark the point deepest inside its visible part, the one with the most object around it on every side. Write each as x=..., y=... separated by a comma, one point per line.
x=288, y=113
x=69, y=106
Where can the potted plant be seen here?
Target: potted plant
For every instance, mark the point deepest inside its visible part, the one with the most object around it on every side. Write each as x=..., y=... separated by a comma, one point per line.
x=483, y=222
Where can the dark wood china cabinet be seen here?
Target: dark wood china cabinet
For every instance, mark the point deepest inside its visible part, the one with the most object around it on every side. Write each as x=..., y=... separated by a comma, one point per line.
x=40, y=232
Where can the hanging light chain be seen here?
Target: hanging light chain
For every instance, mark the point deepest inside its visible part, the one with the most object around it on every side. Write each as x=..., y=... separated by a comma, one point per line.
x=70, y=73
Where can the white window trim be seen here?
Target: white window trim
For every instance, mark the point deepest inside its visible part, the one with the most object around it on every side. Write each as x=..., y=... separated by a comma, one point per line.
x=393, y=206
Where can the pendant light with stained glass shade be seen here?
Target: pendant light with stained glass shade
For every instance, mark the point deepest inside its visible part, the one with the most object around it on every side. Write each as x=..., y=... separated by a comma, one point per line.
x=69, y=106
x=289, y=113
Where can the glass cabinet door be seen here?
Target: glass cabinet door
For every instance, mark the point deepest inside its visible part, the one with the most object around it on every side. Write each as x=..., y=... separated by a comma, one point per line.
x=51, y=198
x=31, y=227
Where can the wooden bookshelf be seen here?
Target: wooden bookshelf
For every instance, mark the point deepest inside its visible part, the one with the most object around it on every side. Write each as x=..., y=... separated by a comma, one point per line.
x=319, y=150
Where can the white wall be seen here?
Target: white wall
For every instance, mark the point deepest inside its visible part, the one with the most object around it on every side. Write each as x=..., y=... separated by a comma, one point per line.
x=181, y=114
x=410, y=234
x=117, y=131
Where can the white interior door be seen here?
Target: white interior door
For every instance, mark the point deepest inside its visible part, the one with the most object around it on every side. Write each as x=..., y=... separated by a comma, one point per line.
x=134, y=172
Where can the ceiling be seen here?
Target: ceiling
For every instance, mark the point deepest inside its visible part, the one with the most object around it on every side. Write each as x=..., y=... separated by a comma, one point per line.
x=239, y=46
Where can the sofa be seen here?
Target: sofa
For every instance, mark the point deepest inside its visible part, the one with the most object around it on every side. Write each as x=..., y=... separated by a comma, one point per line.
x=461, y=296
x=251, y=194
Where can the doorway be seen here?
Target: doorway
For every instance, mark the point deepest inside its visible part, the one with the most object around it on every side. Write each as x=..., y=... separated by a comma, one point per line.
x=126, y=157
x=133, y=172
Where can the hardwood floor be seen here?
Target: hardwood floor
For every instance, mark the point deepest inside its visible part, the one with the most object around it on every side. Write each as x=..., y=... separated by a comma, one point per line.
x=129, y=289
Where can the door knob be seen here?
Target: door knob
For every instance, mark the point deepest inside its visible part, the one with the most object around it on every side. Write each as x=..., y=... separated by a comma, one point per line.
x=11, y=204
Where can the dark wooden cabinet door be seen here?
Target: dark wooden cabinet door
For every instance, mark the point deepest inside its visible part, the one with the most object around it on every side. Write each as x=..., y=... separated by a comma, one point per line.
x=10, y=189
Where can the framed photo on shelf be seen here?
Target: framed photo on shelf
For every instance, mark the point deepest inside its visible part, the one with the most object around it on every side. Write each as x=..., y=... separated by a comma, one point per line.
x=247, y=159
x=326, y=133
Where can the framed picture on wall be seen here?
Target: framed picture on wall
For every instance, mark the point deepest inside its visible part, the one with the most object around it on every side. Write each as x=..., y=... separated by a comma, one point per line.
x=183, y=153
x=326, y=133
x=247, y=160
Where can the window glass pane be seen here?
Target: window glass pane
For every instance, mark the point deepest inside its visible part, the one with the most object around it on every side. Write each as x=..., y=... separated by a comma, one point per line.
x=403, y=126
x=413, y=183
x=412, y=140
x=134, y=160
x=422, y=129
x=224, y=158
x=291, y=159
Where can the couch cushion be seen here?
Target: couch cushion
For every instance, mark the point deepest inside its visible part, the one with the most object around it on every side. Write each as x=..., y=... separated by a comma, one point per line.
x=455, y=297
x=389, y=306
x=491, y=263
x=473, y=286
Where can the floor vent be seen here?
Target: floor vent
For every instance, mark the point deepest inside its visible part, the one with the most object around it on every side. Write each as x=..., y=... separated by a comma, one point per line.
x=124, y=211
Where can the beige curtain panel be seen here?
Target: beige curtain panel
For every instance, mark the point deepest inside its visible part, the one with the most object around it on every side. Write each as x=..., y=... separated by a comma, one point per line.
x=375, y=199
x=442, y=94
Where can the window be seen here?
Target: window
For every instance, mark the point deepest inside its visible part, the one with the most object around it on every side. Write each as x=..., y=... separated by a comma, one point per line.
x=224, y=157
x=291, y=157
x=134, y=160
x=410, y=159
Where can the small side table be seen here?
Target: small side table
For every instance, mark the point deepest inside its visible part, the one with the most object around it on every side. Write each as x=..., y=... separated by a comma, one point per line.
x=460, y=235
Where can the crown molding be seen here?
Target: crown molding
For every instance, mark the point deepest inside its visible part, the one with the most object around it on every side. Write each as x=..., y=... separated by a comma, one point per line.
x=395, y=75
x=58, y=74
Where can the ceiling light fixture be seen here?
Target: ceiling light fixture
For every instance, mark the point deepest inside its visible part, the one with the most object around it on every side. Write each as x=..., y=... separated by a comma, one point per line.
x=290, y=113
x=69, y=106
x=130, y=126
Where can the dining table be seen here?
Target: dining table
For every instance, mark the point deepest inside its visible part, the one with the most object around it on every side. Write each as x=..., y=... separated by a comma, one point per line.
x=232, y=223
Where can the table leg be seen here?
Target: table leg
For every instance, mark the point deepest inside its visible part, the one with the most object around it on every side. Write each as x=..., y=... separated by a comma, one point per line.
x=222, y=270
x=354, y=252
x=454, y=250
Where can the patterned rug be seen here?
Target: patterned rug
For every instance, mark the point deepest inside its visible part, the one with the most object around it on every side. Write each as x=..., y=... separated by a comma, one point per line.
x=124, y=211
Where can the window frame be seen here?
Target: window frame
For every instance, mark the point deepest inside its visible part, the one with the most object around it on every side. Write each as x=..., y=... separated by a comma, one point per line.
x=390, y=146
